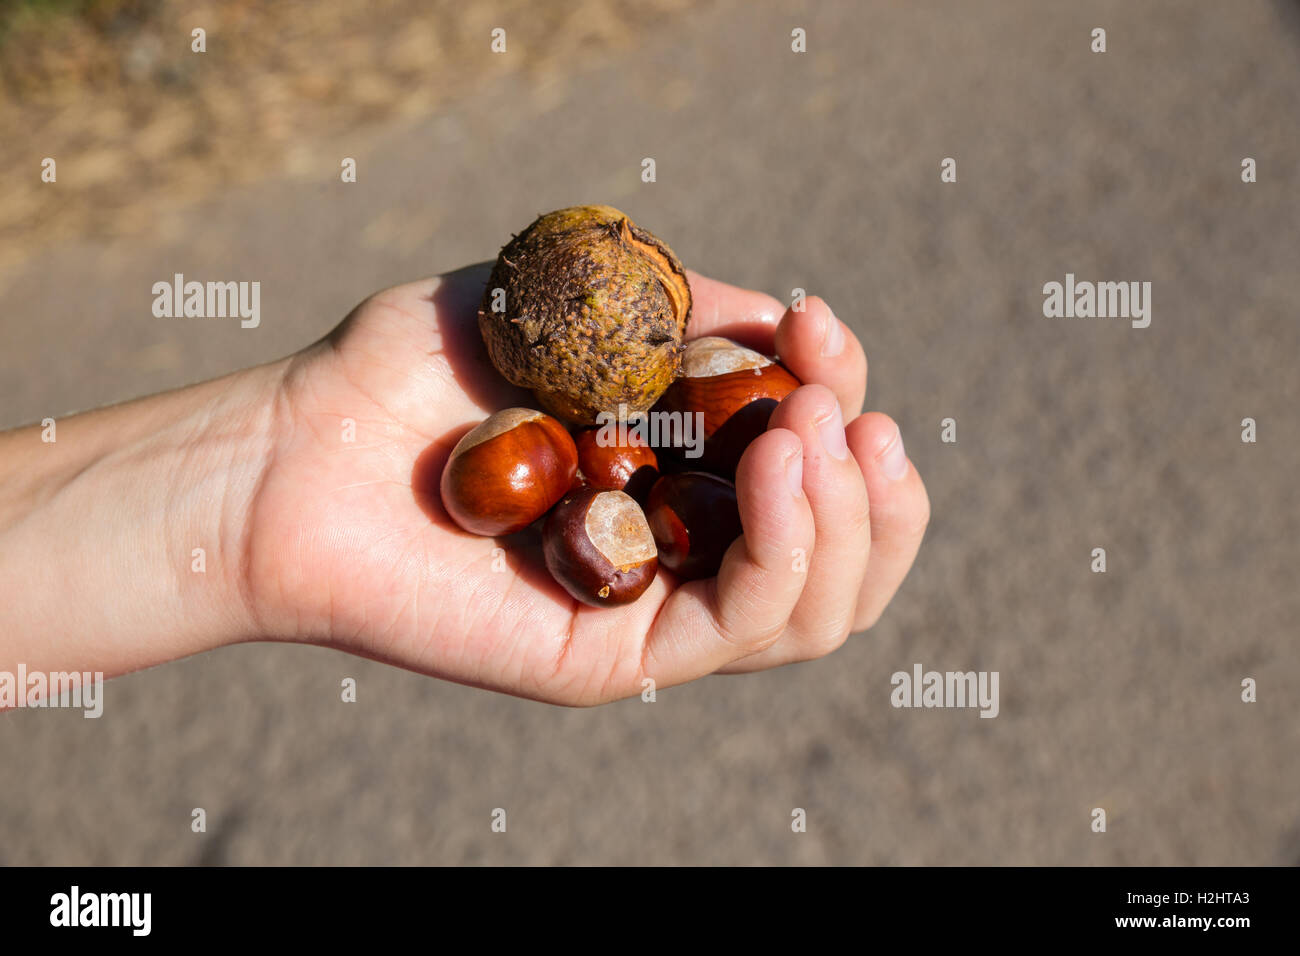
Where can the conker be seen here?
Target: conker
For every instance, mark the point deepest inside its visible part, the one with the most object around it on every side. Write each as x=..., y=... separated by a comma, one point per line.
x=599, y=547
x=630, y=466
x=736, y=389
x=508, y=471
x=694, y=518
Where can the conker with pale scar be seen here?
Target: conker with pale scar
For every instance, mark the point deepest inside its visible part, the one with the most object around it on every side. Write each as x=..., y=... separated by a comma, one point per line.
x=631, y=466
x=508, y=471
x=598, y=545
x=736, y=389
x=694, y=518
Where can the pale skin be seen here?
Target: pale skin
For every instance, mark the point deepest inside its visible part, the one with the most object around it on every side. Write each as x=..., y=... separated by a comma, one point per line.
x=309, y=537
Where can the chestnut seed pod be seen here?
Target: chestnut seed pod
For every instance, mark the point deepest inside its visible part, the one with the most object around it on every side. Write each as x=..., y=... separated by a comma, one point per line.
x=508, y=471
x=598, y=545
x=630, y=466
x=694, y=518
x=736, y=389
x=588, y=310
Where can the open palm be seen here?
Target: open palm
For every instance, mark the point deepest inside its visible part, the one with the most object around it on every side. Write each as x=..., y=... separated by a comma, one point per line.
x=350, y=547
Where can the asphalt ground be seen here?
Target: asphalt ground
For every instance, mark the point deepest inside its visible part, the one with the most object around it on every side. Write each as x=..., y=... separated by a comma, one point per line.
x=777, y=170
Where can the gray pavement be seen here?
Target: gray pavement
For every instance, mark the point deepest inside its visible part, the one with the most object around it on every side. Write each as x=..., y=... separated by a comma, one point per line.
x=775, y=170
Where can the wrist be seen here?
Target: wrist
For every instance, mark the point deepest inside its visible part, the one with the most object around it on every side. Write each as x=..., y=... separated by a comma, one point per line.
x=123, y=541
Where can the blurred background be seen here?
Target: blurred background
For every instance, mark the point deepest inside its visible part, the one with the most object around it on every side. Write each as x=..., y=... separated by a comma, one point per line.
x=775, y=170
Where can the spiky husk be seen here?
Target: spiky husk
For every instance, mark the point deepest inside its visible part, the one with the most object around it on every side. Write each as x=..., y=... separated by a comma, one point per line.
x=595, y=312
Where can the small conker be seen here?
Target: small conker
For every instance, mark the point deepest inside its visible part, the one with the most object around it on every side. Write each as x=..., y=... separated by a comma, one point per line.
x=630, y=466
x=598, y=545
x=694, y=518
x=508, y=471
x=736, y=389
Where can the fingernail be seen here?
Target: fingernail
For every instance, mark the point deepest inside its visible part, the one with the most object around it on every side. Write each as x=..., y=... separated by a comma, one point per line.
x=893, y=460
x=833, y=340
x=794, y=473
x=831, y=432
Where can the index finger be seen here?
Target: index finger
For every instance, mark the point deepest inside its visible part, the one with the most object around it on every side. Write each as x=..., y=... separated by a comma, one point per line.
x=744, y=315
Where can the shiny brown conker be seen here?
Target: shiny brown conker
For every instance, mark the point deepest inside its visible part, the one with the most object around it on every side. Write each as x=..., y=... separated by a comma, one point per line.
x=630, y=465
x=694, y=519
x=508, y=471
x=735, y=389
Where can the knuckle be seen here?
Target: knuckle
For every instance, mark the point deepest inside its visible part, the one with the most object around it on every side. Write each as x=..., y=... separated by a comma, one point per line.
x=920, y=519
x=749, y=622
x=828, y=640
x=866, y=620
x=749, y=638
x=852, y=524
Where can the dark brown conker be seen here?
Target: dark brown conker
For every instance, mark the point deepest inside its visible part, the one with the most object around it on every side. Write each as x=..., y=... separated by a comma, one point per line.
x=694, y=519
x=598, y=545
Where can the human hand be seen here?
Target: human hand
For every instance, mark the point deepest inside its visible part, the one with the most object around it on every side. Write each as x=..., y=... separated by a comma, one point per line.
x=348, y=544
